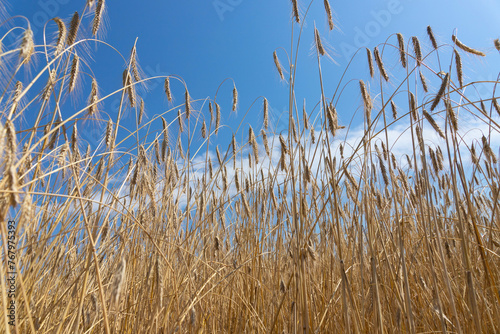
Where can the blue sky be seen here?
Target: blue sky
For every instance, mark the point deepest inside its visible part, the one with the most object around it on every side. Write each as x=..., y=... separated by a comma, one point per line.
x=206, y=42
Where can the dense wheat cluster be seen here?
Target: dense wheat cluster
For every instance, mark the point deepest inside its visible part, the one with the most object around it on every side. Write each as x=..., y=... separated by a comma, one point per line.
x=305, y=230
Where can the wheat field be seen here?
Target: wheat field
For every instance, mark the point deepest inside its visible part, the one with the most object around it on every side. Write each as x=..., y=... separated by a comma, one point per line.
x=318, y=229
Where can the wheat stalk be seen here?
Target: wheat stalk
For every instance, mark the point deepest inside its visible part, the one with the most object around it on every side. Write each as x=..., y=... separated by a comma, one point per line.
x=27, y=46
x=417, y=50
x=62, y=33
x=441, y=91
x=466, y=48
x=328, y=11
x=296, y=11
x=75, y=70
x=402, y=54
x=430, y=33
x=235, y=98
x=367, y=101
x=99, y=11
x=73, y=29
x=458, y=65
x=370, y=62
x=380, y=65
x=167, y=89
x=278, y=65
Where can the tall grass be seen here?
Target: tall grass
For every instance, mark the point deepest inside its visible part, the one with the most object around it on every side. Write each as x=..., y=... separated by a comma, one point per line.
x=314, y=229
